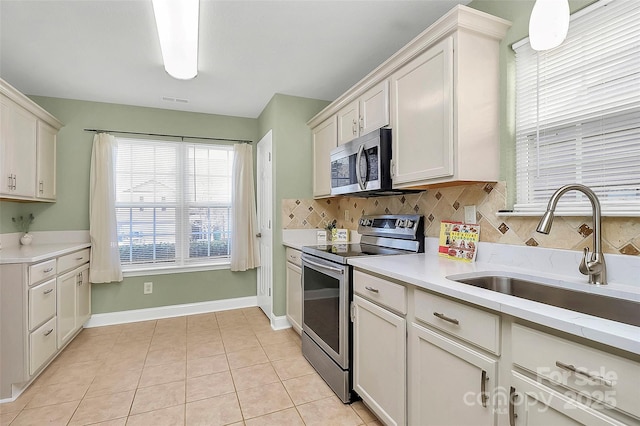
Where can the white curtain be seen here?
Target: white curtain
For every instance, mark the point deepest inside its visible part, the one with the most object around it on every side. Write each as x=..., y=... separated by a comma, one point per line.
x=244, y=243
x=105, y=256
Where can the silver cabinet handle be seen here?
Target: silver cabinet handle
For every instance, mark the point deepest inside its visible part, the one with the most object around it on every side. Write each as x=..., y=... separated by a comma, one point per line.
x=483, y=388
x=48, y=291
x=41, y=187
x=371, y=289
x=512, y=407
x=259, y=235
x=586, y=374
x=79, y=258
x=361, y=123
x=48, y=332
x=353, y=127
x=10, y=183
x=46, y=271
x=446, y=318
x=15, y=182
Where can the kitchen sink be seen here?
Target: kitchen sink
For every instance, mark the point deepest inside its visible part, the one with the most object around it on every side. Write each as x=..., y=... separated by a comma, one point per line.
x=621, y=310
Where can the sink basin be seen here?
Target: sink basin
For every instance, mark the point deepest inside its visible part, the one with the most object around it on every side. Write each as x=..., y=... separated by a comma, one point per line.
x=621, y=310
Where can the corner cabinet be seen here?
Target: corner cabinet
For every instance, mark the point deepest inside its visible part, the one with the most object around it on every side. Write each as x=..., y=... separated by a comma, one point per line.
x=43, y=305
x=440, y=95
x=28, y=146
x=324, y=137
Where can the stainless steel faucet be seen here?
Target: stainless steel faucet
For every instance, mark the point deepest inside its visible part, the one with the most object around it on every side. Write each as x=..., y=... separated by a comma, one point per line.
x=592, y=263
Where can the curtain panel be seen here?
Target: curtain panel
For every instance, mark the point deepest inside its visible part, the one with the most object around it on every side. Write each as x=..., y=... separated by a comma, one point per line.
x=244, y=243
x=105, y=254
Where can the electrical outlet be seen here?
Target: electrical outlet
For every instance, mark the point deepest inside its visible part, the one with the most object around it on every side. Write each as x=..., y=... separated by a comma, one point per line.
x=346, y=216
x=148, y=288
x=470, y=214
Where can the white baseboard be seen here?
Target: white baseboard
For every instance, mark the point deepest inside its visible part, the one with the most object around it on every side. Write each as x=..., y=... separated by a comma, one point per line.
x=123, y=317
x=279, y=323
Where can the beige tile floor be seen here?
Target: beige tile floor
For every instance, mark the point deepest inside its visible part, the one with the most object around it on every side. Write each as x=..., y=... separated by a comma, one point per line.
x=211, y=369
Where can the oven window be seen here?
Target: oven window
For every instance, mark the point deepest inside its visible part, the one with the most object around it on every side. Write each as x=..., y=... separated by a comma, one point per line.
x=322, y=306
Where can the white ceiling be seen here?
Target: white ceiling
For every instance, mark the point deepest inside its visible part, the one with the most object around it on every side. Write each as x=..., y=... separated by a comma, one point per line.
x=108, y=51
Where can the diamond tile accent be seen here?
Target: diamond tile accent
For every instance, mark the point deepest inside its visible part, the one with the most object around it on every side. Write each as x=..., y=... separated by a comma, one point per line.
x=532, y=243
x=438, y=195
x=503, y=228
x=630, y=249
x=416, y=208
x=431, y=217
x=310, y=208
x=298, y=202
x=402, y=199
x=376, y=203
x=585, y=230
x=291, y=216
x=488, y=188
x=456, y=205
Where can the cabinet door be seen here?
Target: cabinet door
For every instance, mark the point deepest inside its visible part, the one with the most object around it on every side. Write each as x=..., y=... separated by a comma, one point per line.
x=422, y=117
x=379, y=360
x=83, y=297
x=348, y=122
x=449, y=384
x=533, y=404
x=324, y=140
x=46, y=162
x=374, y=108
x=18, y=150
x=294, y=296
x=66, y=306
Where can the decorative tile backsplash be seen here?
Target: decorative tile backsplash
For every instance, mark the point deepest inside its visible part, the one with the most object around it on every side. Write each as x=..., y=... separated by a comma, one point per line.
x=620, y=235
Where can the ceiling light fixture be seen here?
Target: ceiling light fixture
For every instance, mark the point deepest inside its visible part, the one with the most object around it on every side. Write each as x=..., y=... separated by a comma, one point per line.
x=549, y=24
x=177, y=22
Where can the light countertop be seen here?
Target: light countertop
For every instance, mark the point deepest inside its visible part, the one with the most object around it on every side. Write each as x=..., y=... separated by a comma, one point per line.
x=429, y=271
x=38, y=252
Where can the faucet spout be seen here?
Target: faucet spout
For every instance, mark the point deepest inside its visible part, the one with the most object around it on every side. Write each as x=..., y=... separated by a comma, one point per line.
x=592, y=264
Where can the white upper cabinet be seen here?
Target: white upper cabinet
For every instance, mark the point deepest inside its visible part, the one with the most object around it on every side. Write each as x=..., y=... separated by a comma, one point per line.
x=46, y=162
x=28, y=148
x=440, y=95
x=365, y=114
x=422, y=129
x=324, y=138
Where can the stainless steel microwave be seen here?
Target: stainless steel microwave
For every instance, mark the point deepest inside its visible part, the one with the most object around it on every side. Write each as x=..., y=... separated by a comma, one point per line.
x=363, y=166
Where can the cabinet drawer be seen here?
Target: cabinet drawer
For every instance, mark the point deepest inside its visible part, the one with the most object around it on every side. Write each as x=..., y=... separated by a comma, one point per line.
x=42, y=345
x=598, y=375
x=294, y=256
x=42, y=271
x=72, y=260
x=385, y=293
x=465, y=322
x=42, y=303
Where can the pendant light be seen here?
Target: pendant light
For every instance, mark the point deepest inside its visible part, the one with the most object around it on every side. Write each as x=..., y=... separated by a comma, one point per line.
x=549, y=24
x=177, y=22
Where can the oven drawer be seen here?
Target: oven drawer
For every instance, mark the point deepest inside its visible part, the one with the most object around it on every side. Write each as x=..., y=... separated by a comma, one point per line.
x=383, y=292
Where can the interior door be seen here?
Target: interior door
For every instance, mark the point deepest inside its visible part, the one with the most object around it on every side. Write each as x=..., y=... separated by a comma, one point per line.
x=265, y=223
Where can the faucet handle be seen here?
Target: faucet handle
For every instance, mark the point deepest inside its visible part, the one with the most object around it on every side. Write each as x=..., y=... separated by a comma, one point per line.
x=584, y=268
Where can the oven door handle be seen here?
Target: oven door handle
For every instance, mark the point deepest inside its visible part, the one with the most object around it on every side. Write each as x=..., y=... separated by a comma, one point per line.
x=319, y=265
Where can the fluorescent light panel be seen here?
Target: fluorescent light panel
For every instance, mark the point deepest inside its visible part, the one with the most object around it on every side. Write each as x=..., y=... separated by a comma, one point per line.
x=177, y=22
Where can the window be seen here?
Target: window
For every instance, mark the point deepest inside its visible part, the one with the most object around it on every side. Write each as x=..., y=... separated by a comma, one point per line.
x=578, y=113
x=173, y=203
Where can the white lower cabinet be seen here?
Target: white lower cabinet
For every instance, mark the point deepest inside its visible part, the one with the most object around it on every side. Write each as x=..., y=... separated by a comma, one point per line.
x=449, y=383
x=73, y=307
x=533, y=404
x=294, y=296
x=42, y=344
x=379, y=357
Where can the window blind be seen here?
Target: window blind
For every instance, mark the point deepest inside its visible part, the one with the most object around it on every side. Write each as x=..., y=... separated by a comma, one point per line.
x=173, y=202
x=578, y=113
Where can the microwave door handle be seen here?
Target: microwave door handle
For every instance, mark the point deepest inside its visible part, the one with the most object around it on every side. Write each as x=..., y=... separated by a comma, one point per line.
x=361, y=181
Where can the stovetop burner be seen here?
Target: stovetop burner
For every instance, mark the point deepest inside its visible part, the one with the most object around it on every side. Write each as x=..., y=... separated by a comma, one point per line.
x=381, y=235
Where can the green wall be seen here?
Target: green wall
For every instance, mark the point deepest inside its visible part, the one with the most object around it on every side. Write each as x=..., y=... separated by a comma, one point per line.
x=518, y=12
x=287, y=116
x=71, y=211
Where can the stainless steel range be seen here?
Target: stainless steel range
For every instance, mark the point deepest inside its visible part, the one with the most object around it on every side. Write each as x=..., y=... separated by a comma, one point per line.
x=327, y=292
